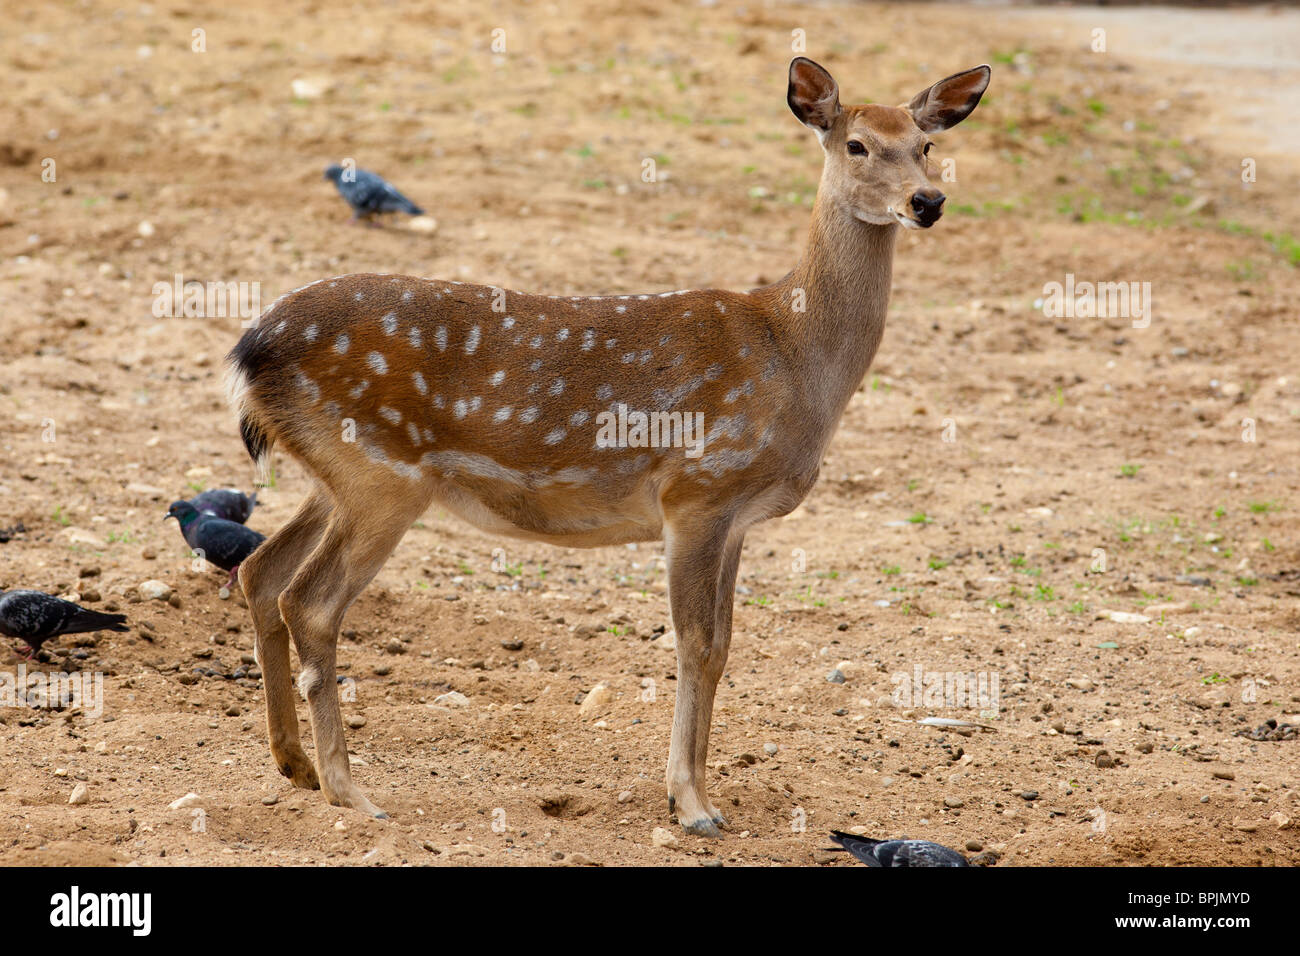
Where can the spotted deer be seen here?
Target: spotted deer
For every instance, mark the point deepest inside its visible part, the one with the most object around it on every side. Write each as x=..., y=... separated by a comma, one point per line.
x=395, y=392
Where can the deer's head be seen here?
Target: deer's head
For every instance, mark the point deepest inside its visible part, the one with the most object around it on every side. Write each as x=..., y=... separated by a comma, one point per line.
x=876, y=155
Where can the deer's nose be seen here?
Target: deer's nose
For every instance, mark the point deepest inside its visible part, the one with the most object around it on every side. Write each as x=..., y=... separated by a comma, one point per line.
x=928, y=205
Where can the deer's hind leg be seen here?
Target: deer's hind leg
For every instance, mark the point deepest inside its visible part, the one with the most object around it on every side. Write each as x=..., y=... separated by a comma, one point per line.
x=262, y=576
x=361, y=534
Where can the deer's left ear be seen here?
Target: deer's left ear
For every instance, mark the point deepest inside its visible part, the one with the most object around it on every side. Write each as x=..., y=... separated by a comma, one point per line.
x=949, y=101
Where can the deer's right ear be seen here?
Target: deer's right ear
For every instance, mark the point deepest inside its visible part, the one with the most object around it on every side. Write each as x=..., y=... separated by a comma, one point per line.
x=814, y=96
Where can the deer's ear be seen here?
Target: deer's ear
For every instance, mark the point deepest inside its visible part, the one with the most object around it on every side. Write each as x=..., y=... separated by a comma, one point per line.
x=814, y=96
x=949, y=101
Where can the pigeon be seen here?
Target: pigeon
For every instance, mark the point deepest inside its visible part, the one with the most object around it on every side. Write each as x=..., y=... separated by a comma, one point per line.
x=36, y=617
x=228, y=503
x=369, y=194
x=218, y=541
x=897, y=852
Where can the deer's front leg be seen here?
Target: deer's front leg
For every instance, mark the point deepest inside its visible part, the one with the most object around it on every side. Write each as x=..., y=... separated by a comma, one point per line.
x=701, y=584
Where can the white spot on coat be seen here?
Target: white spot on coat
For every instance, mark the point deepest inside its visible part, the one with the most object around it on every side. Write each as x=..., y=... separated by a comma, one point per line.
x=472, y=340
x=377, y=362
x=341, y=344
x=389, y=323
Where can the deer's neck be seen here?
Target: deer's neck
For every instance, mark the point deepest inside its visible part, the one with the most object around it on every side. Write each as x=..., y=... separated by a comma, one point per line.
x=843, y=282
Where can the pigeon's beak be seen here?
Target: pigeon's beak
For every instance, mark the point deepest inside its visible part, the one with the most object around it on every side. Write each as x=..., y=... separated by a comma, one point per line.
x=168, y=515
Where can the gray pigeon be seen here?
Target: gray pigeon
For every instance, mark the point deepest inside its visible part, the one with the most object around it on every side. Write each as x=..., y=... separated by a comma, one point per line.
x=36, y=617
x=228, y=503
x=218, y=541
x=897, y=852
x=369, y=194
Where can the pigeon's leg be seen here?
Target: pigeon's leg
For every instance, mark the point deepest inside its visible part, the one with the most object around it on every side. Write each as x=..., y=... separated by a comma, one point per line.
x=234, y=576
x=362, y=533
x=263, y=576
x=702, y=560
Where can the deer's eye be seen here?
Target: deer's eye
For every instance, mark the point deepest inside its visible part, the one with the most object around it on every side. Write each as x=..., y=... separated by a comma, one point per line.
x=856, y=148
x=926, y=151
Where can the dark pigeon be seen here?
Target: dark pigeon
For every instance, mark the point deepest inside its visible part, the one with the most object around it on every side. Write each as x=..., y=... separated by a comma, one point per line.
x=218, y=541
x=897, y=852
x=228, y=503
x=36, y=617
x=369, y=194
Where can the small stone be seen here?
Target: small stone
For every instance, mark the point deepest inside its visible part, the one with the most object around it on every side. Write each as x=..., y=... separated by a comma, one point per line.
x=1224, y=775
x=664, y=838
x=101, y=747
x=1145, y=747
x=154, y=590
x=771, y=749
x=1123, y=617
x=233, y=710
x=954, y=803
x=181, y=803
x=513, y=644
x=667, y=641
x=1080, y=683
x=148, y=554
x=1245, y=826
x=270, y=800
x=80, y=795
x=355, y=721
x=174, y=600
x=598, y=698
x=835, y=677
x=1029, y=795
x=974, y=846
x=1104, y=760
x=625, y=796
x=1280, y=820
x=453, y=698
x=422, y=224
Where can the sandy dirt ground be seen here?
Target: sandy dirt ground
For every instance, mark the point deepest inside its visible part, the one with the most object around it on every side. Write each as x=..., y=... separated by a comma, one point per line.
x=993, y=463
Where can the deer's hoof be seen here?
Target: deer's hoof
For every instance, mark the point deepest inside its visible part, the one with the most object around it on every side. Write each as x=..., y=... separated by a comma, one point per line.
x=704, y=827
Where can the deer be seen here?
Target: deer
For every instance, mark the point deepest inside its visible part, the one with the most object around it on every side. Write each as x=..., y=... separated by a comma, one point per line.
x=395, y=392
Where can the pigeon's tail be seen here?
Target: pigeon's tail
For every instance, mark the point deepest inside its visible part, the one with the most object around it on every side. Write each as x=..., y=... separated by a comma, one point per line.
x=86, y=620
x=412, y=208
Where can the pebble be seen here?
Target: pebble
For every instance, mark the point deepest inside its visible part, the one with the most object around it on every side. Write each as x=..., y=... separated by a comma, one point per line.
x=181, y=803
x=233, y=710
x=953, y=803
x=1123, y=617
x=453, y=698
x=1224, y=775
x=835, y=677
x=667, y=641
x=1104, y=760
x=355, y=721
x=1280, y=820
x=80, y=795
x=664, y=838
x=395, y=647
x=513, y=644
x=154, y=590
x=625, y=796
x=974, y=846
x=1028, y=794
x=597, y=699
x=771, y=749
x=270, y=800
x=1080, y=683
